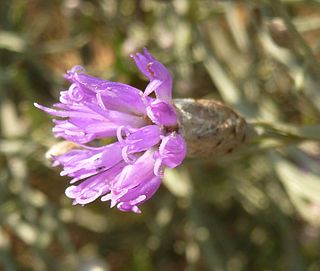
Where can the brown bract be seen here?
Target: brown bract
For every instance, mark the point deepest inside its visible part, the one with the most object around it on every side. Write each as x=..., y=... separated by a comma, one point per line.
x=210, y=128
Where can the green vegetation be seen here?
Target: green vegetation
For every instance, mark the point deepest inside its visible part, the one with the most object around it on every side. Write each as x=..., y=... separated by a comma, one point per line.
x=258, y=209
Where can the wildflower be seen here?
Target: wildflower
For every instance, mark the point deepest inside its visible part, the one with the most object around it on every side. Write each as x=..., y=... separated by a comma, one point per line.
x=129, y=171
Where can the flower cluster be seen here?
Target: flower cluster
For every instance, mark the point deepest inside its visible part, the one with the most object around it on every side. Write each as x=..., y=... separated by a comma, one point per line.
x=129, y=171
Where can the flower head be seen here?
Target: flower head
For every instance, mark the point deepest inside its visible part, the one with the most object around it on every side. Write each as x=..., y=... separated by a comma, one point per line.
x=129, y=171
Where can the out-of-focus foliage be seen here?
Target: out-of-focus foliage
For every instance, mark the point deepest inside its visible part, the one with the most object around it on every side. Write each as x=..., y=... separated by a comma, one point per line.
x=257, y=210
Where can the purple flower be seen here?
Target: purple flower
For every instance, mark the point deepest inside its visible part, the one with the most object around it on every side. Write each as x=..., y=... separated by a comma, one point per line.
x=130, y=170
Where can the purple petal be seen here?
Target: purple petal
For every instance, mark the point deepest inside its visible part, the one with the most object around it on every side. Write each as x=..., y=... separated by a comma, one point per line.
x=147, y=189
x=140, y=140
x=139, y=172
x=121, y=97
x=172, y=150
x=153, y=86
x=69, y=111
x=149, y=66
x=82, y=132
x=87, y=121
x=94, y=187
x=162, y=113
x=112, y=95
x=159, y=76
x=138, y=195
x=71, y=132
x=75, y=93
x=74, y=70
x=89, y=161
x=118, y=118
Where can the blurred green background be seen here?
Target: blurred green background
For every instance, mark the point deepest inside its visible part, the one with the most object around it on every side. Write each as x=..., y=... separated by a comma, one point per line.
x=256, y=210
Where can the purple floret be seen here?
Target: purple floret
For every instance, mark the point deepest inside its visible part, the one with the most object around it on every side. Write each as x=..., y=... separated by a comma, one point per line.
x=129, y=171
